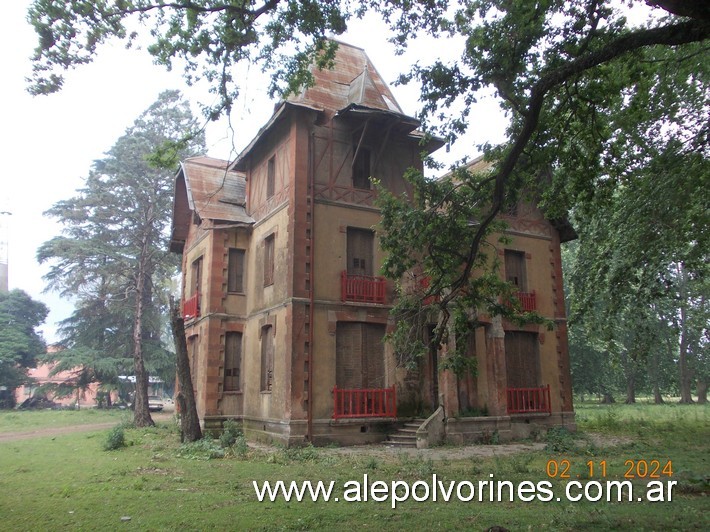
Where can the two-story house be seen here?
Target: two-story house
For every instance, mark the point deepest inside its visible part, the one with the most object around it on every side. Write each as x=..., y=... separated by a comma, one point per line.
x=285, y=310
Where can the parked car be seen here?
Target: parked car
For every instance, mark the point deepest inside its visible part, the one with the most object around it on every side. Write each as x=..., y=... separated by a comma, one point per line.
x=155, y=403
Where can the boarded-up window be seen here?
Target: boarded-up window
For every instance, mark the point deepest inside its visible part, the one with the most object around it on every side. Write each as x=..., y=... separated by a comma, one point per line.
x=267, y=357
x=522, y=359
x=270, y=177
x=515, y=269
x=235, y=273
x=359, y=253
x=359, y=355
x=232, y=361
x=269, y=243
x=362, y=169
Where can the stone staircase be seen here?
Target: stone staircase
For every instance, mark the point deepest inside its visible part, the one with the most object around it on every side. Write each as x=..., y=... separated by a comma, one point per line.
x=406, y=436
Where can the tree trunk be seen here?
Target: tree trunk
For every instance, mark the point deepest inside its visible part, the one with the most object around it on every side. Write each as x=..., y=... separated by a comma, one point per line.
x=607, y=399
x=657, y=397
x=630, y=389
x=702, y=391
x=628, y=362
x=683, y=366
x=189, y=420
x=141, y=414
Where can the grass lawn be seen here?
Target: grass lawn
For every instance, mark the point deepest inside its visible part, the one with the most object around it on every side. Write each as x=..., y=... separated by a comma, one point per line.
x=28, y=420
x=70, y=482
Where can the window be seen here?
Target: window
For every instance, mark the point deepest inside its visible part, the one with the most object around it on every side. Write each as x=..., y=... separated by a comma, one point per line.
x=362, y=169
x=232, y=362
x=515, y=269
x=522, y=359
x=269, y=260
x=235, y=270
x=196, y=277
x=267, y=357
x=359, y=355
x=359, y=252
x=271, y=177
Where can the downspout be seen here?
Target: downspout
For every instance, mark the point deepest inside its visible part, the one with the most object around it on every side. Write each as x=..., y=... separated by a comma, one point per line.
x=311, y=295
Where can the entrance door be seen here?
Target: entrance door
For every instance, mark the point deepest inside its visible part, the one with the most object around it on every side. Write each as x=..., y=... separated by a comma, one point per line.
x=522, y=360
x=359, y=355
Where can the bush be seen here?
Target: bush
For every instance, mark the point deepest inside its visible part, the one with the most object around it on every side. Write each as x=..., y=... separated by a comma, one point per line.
x=230, y=433
x=116, y=439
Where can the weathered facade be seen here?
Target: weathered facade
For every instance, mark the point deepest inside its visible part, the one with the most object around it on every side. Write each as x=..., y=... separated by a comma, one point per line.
x=285, y=312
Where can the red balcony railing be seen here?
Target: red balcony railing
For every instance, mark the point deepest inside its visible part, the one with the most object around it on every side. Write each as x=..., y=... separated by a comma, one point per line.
x=362, y=288
x=527, y=300
x=528, y=400
x=424, y=283
x=191, y=307
x=374, y=402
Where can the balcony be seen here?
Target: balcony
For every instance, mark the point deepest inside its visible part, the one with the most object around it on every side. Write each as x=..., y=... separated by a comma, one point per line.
x=191, y=307
x=362, y=288
x=527, y=300
x=359, y=403
x=528, y=400
x=424, y=284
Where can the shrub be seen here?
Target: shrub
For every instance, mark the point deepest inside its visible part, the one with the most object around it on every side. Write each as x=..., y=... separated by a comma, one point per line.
x=230, y=433
x=116, y=439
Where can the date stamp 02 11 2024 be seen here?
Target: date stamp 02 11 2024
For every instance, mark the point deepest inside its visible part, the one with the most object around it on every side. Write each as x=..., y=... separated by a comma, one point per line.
x=633, y=469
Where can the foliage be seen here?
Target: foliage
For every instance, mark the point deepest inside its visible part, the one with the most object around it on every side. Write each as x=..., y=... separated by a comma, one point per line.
x=20, y=343
x=452, y=272
x=112, y=255
x=204, y=449
x=230, y=432
x=116, y=439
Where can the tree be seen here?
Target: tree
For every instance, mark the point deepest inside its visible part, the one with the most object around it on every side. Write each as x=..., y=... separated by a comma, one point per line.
x=20, y=343
x=189, y=421
x=599, y=101
x=113, y=256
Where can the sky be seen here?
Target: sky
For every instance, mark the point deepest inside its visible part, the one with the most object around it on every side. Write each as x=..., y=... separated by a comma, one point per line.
x=48, y=143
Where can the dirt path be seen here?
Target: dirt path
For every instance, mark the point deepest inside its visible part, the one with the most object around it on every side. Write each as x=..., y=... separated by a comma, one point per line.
x=53, y=432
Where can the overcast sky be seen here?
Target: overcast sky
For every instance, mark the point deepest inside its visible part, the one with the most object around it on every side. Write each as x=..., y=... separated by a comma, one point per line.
x=49, y=142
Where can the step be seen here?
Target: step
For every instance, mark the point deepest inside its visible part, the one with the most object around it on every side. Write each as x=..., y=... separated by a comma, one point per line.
x=400, y=444
x=403, y=437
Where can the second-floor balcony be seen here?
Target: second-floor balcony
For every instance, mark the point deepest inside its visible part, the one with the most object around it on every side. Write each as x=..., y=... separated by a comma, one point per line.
x=528, y=301
x=191, y=307
x=362, y=288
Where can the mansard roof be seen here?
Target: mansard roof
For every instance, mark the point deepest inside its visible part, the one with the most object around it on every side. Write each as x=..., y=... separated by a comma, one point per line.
x=206, y=188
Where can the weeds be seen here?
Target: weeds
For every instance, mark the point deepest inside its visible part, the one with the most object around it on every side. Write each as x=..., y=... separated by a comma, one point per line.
x=560, y=440
x=116, y=439
x=204, y=449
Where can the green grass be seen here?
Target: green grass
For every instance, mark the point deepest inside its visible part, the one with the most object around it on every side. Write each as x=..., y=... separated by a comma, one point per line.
x=27, y=420
x=69, y=482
